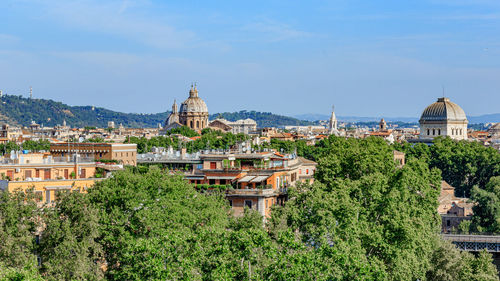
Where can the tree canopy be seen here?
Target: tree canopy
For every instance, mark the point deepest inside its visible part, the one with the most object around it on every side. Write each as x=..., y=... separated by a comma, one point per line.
x=363, y=219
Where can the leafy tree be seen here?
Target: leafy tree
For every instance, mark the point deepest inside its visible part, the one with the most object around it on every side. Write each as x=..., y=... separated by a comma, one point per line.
x=449, y=264
x=365, y=218
x=487, y=210
x=17, y=230
x=69, y=248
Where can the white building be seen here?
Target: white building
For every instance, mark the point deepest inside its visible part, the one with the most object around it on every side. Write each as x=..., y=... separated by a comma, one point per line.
x=443, y=118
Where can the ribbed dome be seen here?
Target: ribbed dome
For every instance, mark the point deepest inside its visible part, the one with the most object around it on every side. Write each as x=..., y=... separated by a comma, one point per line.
x=443, y=110
x=194, y=103
x=495, y=129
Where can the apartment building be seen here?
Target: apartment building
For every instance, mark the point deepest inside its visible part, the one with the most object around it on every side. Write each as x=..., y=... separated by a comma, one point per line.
x=123, y=153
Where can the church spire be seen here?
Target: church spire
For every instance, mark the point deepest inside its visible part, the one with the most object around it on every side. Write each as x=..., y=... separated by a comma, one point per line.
x=174, y=107
x=333, y=121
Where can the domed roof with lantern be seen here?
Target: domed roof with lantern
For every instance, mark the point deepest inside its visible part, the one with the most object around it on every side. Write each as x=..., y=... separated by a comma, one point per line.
x=194, y=103
x=443, y=110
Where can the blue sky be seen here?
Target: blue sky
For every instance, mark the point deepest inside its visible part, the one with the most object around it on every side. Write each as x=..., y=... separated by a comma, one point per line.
x=369, y=58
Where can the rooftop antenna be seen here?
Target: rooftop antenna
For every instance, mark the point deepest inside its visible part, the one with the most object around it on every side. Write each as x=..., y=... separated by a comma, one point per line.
x=443, y=90
x=31, y=92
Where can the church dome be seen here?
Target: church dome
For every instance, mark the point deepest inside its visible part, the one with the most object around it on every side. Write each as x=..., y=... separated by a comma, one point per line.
x=193, y=103
x=495, y=130
x=443, y=110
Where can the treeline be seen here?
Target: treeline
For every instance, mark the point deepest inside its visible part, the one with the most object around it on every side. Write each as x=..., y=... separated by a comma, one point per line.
x=263, y=119
x=363, y=219
x=473, y=170
x=50, y=113
x=470, y=167
x=34, y=146
x=209, y=139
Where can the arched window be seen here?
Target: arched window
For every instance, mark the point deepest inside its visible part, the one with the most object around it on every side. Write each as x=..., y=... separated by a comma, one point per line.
x=191, y=124
x=197, y=124
x=461, y=132
x=428, y=132
x=433, y=132
x=452, y=131
x=439, y=132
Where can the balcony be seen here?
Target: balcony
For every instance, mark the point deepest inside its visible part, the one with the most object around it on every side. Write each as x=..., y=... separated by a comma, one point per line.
x=251, y=192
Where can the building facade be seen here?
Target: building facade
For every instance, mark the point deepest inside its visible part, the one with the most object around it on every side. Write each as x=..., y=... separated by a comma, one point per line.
x=443, y=118
x=123, y=153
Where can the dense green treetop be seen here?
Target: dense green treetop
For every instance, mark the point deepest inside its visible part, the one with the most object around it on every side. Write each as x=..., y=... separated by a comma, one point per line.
x=363, y=219
x=263, y=119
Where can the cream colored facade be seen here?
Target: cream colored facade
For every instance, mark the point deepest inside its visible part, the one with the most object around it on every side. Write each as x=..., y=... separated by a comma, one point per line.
x=42, y=166
x=124, y=153
x=443, y=118
x=46, y=191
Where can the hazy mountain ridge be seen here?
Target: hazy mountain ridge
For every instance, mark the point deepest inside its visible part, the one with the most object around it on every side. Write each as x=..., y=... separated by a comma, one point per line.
x=486, y=118
x=17, y=110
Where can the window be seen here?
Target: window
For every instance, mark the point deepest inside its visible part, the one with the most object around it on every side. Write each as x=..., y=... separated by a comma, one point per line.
x=10, y=174
x=248, y=203
x=231, y=203
x=27, y=174
x=83, y=173
x=433, y=132
x=439, y=132
x=46, y=174
x=191, y=124
x=211, y=181
x=66, y=174
x=197, y=124
x=266, y=204
x=213, y=165
x=47, y=196
x=428, y=132
x=37, y=173
x=448, y=222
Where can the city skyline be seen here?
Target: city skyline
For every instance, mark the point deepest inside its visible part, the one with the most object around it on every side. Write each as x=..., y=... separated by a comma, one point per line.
x=283, y=57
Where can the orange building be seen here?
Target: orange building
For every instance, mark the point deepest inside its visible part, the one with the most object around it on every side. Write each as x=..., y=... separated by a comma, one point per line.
x=123, y=153
x=43, y=166
x=46, y=191
x=46, y=175
x=259, y=180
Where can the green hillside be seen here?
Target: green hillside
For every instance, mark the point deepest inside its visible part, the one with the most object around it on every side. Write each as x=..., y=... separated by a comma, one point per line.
x=263, y=119
x=17, y=110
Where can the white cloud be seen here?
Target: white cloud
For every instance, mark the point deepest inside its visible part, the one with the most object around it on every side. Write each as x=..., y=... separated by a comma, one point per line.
x=7, y=39
x=120, y=18
x=275, y=31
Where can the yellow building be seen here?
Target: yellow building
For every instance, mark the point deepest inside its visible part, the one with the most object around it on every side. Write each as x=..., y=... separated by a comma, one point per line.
x=43, y=166
x=46, y=175
x=123, y=153
x=46, y=191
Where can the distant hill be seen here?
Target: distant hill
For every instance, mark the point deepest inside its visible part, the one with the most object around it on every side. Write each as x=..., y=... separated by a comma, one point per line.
x=263, y=119
x=487, y=118
x=17, y=110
